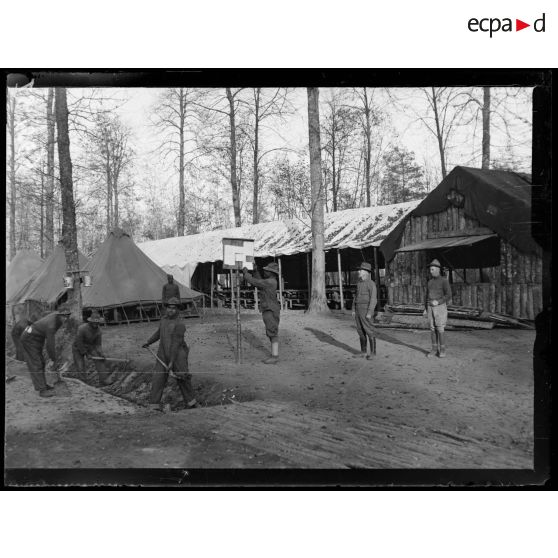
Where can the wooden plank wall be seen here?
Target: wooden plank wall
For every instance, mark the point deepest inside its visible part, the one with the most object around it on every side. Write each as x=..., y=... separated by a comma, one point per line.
x=514, y=287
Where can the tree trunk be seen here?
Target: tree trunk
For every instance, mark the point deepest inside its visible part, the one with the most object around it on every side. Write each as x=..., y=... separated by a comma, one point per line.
x=234, y=177
x=255, y=208
x=49, y=197
x=368, y=153
x=486, y=128
x=318, y=301
x=181, y=197
x=13, y=191
x=69, y=230
x=439, y=133
x=115, y=218
x=42, y=232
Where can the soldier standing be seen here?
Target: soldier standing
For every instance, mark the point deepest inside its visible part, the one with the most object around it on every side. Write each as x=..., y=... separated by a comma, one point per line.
x=363, y=310
x=170, y=290
x=172, y=356
x=270, y=307
x=438, y=294
x=33, y=340
x=88, y=342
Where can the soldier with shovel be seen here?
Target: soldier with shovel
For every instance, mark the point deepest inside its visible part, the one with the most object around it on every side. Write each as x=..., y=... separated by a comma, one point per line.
x=34, y=338
x=88, y=342
x=172, y=357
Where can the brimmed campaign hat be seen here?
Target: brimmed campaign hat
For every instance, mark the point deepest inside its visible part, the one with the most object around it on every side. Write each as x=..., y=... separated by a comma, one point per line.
x=273, y=267
x=95, y=318
x=173, y=301
x=365, y=266
x=435, y=263
x=64, y=309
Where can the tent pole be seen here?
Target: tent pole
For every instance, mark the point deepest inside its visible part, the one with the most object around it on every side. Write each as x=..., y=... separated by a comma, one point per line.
x=232, y=291
x=142, y=311
x=308, y=276
x=340, y=273
x=125, y=315
x=212, y=286
x=280, y=284
x=377, y=271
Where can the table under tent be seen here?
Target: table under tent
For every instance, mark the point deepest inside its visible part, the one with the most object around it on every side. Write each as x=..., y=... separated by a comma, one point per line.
x=351, y=236
x=127, y=285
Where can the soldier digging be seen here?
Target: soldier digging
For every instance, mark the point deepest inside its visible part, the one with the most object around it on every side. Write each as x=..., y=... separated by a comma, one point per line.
x=270, y=307
x=363, y=310
x=88, y=342
x=172, y=356
x=33, y=340
x=438, y=294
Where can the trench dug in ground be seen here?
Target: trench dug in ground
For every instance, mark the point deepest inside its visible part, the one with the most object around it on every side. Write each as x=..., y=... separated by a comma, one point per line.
x=320, y=406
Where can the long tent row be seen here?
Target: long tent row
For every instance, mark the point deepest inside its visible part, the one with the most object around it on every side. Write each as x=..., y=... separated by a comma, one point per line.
x=125, y=284
x=351, y=236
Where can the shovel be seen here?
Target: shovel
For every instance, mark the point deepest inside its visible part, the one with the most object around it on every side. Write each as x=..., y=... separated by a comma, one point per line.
x=171, y=373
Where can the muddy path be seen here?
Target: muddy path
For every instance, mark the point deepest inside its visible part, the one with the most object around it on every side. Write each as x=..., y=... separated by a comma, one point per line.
x=320, y=406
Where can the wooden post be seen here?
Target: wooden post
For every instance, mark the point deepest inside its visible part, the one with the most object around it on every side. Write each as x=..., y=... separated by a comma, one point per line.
x=308, y=275
x=238, y=331
x=340, y=273
x=256, y=305
x=377, y=271
x=280, y=284
x=212, y=286
x=232, y=291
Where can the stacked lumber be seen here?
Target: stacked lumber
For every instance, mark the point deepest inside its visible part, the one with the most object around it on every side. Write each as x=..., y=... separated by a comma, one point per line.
x=459, y=316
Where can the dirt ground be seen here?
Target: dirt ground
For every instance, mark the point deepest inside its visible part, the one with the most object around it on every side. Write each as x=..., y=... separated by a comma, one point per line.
x=321, y=406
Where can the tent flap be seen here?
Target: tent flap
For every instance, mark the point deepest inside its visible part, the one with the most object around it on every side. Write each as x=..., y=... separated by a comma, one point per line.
x=445, y=242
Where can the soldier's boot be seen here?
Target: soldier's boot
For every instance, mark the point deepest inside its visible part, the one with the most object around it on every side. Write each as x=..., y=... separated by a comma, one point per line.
x=274, y=358
x=372, y=350
x=434, y=340
x=441, y=339
x=363, y=343
x=47, y=392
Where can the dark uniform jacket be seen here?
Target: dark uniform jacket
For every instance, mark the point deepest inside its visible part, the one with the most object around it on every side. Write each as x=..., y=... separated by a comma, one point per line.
x=268, y=294
x=366, y=295
x=17, y=330
x=88, y=340
x=172, y=346
x=46, y=329
x=170, y=290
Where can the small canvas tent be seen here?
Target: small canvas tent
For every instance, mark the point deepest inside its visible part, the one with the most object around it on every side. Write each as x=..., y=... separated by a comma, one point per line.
x=46, y=286
x=125, y=280
x=20, y=270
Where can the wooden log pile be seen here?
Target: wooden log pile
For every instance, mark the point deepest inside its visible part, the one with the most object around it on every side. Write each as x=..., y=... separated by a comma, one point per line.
x=468, y=317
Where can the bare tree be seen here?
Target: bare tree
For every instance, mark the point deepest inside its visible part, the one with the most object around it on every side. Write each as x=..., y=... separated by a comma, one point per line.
x=318, y=300
x=176, y=116
x=11, y=109
x=49, y=190
x=69, y=230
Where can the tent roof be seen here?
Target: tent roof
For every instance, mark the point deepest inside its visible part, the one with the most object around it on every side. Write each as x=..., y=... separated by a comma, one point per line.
x=47, y=283
x=499, y=200
x=448, y=242
x=20, y=270
x=122, y=274
x=351, y=228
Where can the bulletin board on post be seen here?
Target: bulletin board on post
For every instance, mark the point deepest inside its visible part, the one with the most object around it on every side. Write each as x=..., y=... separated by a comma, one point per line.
x=238, y=253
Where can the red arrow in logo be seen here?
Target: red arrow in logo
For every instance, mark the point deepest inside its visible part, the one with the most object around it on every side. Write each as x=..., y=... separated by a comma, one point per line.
x=519, y=25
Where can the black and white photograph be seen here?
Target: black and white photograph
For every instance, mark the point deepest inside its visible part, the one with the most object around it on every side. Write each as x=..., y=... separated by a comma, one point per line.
x=273, y=277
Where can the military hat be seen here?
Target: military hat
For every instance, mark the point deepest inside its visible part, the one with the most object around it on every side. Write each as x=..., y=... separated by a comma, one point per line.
x=435, y=263
x=366, y=266
x=64, y=309
x=95, y=318
x=273, y=267
x=173, y=301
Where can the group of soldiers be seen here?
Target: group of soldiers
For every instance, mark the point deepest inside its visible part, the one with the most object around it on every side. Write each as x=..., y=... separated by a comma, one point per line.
x=31, y=336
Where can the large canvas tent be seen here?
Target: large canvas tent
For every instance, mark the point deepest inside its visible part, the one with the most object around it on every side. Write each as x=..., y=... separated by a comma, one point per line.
x=20, y=270
x=46, y=286
x=477, y=223
x=125, y=279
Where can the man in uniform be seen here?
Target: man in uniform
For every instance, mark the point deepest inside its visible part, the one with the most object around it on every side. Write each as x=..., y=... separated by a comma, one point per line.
x=170, y=290
x=363, y=310
x=438, y=294
x=173, y=352
x=88, y=342
x=18, y=328
x=33, y=340
x=269, y=307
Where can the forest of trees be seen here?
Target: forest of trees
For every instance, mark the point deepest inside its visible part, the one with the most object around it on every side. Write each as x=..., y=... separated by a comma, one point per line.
x=192, y=160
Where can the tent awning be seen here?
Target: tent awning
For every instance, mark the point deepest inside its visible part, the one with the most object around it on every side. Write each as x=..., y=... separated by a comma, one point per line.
x=445, y=242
